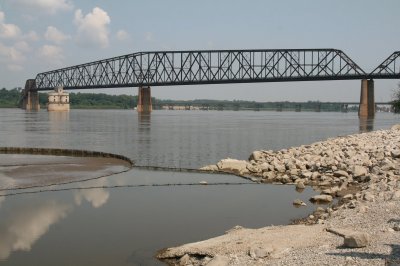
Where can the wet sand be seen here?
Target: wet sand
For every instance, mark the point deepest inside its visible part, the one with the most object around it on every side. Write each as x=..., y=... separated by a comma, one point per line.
x=23, y=171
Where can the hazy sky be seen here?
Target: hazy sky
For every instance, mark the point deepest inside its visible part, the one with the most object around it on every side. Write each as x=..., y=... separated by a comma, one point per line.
x=41, y=35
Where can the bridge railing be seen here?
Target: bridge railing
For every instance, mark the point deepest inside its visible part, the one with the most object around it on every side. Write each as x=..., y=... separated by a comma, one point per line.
x=204, y=67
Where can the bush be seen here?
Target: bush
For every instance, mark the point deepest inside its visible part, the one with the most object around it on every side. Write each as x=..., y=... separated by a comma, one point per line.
x=396, y=100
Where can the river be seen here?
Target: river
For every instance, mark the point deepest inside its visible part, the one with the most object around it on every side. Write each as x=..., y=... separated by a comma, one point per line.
x=124, y=219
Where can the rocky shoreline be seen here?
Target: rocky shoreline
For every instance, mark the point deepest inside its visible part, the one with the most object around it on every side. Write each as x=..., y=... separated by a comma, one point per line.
x=362, y=171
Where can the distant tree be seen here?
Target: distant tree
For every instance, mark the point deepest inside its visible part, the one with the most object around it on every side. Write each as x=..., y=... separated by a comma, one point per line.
x=396, y=100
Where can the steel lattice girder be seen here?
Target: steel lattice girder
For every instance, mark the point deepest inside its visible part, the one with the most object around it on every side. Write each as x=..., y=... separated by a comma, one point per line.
x=204, y=67
x=389, y=68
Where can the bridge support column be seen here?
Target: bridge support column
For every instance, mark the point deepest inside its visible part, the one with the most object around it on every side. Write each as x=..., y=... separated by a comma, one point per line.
x=144, y=100
x=31, y=101
x=367, y=99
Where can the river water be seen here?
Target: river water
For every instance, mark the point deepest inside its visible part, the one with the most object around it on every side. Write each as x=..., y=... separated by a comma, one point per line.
x=124, y=219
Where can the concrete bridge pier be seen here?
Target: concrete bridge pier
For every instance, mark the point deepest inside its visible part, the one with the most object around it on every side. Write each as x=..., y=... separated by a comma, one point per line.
x=318, y=107
x=31, y=101
x=144, y=100
x=367, y=99
x=30, y=96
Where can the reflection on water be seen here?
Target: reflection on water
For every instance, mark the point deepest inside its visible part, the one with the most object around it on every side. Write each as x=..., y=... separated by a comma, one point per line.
x=27, y=223
x=82, y=227
x=97, y=197
x=144, y=119
x=366, y=124
x=116, y=226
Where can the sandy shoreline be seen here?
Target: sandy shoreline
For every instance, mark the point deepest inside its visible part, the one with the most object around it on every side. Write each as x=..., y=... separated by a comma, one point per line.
x=367, y=218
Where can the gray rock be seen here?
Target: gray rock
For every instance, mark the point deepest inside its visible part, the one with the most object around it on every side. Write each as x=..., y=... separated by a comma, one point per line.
x=321, y=199
x=285, y=179
x=260, y=252
x=368, y=196
x=299, y=202
x=306, y=174
x=232, y=165
x=300, y=185
x=185, y=260
x=264, y=167
x=257, y=156
x=359, y=171
x=331, y=191
x=340, y=173
x=294, y=172
x=269, y=175
x=253, y=169
x=395, y=153
x=315, y=175
x=348, y=197
x=279, y=167
x=356, y=240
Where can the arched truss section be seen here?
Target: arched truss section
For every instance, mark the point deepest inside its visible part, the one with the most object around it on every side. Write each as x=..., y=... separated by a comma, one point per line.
x=204, y=67
x=390, y=68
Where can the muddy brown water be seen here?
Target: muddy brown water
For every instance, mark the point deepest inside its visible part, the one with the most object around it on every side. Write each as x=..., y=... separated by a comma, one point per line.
x=124, y=219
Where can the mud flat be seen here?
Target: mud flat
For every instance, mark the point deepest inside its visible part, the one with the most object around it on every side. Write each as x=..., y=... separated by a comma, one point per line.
x=361, y=170
x=26, y=167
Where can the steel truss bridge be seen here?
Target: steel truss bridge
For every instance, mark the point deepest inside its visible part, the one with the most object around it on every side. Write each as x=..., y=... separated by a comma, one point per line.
x=168, y=68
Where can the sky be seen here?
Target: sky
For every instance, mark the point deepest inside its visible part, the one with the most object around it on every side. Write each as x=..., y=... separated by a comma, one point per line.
x=42, y=35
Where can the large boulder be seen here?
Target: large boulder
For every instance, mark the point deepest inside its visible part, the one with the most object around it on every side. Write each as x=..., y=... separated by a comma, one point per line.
x=340, y=173
x=211, y=167
x=299, y=202
x=269, y=175
x=321, y=199
x=356, y=240
x=300, y=185
x=233, y=166
x=395, y=153
x=279, y=167
x=352, y=239
x=256, y=156
x=260, y=252
x=359, y=171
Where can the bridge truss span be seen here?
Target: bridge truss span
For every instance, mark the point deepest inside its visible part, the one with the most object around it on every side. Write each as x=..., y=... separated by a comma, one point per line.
x=390, y=68
x=204, y=67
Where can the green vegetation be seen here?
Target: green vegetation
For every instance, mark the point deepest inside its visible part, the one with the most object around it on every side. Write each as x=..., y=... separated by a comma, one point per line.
x=10, y=98
x=396, y=100
x=253, y=105
x=102, y=101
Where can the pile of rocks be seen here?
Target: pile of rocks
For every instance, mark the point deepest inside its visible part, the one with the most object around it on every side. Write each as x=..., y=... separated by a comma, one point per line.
x=335, y=163
x=368, y=217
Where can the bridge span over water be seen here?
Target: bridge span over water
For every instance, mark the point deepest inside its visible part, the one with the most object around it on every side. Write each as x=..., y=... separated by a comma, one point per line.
x=170, y=68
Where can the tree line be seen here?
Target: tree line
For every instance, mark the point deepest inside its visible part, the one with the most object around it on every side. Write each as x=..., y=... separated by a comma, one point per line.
x=10, y=99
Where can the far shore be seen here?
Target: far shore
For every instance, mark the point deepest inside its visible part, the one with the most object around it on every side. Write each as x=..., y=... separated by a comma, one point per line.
x=361, y=170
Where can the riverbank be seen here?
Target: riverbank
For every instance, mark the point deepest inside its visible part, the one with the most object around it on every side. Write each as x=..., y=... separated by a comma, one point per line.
x=367, y=217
